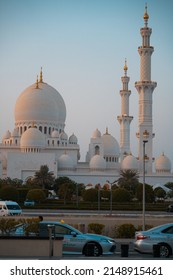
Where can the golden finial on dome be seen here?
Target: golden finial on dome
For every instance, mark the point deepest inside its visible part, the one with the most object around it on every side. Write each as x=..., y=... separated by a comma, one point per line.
x=41, y=76
x=107, y=133
x=37, y=86
x=146, y=16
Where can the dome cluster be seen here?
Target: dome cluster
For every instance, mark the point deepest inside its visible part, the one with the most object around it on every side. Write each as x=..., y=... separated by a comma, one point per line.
x=103, y=151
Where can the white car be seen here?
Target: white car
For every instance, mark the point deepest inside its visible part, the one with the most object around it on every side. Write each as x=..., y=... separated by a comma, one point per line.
x=161, y=235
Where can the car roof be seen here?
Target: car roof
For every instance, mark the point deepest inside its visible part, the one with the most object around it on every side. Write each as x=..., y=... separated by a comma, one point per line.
x=160, y=227
x=59, y=223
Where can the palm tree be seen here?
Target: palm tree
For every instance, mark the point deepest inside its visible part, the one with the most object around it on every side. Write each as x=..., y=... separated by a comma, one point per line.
x=44, y=177
x=129, y=179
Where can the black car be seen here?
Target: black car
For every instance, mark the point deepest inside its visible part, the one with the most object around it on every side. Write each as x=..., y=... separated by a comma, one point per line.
x=170, y=208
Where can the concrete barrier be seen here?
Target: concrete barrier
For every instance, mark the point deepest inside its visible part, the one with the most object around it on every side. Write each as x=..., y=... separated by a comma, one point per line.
x=29, y=246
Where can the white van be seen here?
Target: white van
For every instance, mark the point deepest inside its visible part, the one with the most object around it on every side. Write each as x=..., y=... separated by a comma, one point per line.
x=9, y=208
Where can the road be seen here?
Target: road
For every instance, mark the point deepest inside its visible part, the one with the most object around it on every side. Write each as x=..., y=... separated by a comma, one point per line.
x=74, y=217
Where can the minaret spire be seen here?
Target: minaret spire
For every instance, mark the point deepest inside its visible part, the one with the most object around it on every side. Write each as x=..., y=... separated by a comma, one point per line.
x=124, y=119
x=146, y=16
x=145, y=88
x=125, y=67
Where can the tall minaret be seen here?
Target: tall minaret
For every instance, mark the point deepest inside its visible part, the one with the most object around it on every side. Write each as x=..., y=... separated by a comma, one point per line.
x=145, y=88
x=124, y=119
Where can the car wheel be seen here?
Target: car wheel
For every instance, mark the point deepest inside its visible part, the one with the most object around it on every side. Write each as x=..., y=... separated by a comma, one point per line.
x=92, y=249
x=165, y=250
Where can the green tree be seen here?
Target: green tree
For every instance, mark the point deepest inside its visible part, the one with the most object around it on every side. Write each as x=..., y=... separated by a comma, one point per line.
x=149, y=193
x=60, y=181
x=36, y=195
x=129, y=179
x=9, y=193
x=121, y=195
x=66, y=191
x=169, y=185
x=44, y=178
x=159, y=193
x=90, y=195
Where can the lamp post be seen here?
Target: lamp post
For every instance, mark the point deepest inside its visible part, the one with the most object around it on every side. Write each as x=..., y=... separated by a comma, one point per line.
x=111, y=184
x=143, y=208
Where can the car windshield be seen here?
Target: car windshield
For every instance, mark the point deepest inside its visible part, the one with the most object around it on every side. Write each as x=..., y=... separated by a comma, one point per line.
x=13, y=207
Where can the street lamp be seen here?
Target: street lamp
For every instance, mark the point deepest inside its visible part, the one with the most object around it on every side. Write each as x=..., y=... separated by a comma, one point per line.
x=143, y=211
x=111, y=184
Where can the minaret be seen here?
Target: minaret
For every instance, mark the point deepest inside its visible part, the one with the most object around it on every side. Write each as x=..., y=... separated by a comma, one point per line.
x=124, y=119
x=145, y=88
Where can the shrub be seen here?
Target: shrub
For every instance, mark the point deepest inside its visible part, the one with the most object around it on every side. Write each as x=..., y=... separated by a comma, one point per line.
x=125, y=231
x=96, y=228
x=7, y=224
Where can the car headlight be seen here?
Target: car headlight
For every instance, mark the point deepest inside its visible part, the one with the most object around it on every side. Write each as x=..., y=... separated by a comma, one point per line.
x=110, y=241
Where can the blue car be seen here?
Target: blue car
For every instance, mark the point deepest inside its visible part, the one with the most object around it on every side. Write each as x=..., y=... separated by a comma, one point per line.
x=29, y=202
x=74, y=241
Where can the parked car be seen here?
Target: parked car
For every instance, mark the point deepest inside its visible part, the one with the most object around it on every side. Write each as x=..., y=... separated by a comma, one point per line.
x=170, y=208
x=162, y=235
x=28, y=202
x=74, y=242
x=9, y=207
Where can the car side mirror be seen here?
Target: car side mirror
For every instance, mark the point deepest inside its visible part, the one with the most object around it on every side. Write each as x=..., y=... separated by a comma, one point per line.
x=73, y=233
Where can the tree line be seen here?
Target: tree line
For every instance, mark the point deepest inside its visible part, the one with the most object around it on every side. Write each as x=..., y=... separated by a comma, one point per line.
x=44, y=185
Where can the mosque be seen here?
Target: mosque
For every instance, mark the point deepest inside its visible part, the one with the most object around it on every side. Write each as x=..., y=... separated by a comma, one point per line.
x=39, y=136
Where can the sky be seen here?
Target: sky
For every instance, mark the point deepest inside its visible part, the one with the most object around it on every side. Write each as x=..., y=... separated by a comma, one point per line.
x=81, y=46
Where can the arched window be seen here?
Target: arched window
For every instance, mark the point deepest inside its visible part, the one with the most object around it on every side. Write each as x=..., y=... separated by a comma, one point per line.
x=97, y=150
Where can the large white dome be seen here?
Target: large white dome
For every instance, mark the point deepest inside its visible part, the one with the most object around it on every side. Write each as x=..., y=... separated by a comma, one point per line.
x=110, y=144
x=40, y=103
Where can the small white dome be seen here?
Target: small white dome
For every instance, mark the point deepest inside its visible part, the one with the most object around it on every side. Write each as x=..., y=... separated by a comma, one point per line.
x=96, y=134
x=32, y=138
x=73, y=139
x=110, y=145
x=55, y=134
x=129, y=162
x=163, y=164
x=97, y=162
x=63, y=136
x=7, y=135
x=65, y=162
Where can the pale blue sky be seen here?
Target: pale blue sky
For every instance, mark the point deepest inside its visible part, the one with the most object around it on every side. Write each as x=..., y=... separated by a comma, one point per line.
x=82, y=45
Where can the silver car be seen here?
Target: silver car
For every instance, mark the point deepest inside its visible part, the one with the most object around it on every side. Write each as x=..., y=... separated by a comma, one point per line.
x=161, y=235
x=74, y=242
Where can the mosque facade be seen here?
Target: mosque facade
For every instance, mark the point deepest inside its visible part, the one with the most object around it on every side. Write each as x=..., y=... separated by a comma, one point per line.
x=39, y=136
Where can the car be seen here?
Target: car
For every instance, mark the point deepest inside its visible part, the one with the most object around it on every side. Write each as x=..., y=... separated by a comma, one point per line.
x=9, y=207
x=161, y=235
x=29, y=202
x=170, y=208
x=74, y=241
